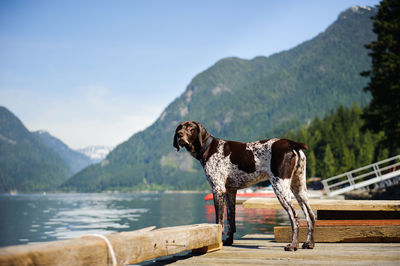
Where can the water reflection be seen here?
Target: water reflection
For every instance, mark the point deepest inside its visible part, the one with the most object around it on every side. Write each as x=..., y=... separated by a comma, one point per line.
x=251, y=221
x=36, y=218
x=90, y=220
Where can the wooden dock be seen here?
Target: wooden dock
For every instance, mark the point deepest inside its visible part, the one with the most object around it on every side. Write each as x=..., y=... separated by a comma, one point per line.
x=339, y=221
x=329, y=205
x=343, y=220
x=201, y=244
x=150, y=248
x=117, y=249
x=263, y=250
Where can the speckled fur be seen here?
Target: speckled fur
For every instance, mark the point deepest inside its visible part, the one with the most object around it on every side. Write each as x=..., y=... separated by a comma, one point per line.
x=225, y=177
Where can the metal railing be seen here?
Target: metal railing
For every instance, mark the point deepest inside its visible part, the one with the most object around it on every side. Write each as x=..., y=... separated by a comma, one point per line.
x=363, y=177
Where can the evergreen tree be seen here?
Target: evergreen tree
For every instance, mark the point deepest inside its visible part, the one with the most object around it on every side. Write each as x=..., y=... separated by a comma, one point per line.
x=364, y=152
x=329, y=162
x=337, y=143
x=384, y=109
x=311, y=164
x=347, y=161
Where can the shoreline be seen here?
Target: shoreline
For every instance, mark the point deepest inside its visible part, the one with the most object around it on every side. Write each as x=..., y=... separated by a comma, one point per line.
x=111, y=192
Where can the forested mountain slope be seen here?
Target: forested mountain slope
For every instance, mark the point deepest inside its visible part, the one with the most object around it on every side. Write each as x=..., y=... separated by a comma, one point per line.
x=26, y=164
x=243, y=100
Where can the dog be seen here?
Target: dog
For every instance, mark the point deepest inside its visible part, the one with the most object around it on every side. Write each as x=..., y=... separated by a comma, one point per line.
x=231, y=165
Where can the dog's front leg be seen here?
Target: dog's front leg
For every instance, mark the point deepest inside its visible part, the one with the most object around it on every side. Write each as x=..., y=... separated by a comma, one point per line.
x=231, y=209
x=219, y=203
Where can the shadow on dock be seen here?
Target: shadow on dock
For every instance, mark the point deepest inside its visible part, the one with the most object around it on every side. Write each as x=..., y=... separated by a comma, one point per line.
x=262, y=250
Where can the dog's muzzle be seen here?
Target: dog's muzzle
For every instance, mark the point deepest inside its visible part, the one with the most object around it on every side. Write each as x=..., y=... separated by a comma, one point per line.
x=182, y=143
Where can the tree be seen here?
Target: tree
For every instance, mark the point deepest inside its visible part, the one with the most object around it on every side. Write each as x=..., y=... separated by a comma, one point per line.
x=328, y=163
x=347, y=161
x=384, y=85
x=311, y=164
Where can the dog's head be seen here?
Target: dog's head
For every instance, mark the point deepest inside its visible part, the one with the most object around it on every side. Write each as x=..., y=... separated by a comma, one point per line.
x=191, y=135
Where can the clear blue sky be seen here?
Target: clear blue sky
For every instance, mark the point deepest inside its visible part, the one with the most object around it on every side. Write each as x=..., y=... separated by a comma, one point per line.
x=95, y=72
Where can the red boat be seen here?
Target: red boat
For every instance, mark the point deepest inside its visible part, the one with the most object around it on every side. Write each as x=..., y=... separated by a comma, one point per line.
x=243, y=195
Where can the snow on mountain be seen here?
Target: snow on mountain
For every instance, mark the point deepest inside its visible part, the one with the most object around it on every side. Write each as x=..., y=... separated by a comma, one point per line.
x=355, y=9
x=96, y=153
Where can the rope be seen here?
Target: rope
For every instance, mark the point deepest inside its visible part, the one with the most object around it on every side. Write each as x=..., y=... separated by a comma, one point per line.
x=110, y=247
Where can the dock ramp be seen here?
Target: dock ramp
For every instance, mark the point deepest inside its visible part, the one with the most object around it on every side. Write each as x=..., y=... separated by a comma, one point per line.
x=385, y=171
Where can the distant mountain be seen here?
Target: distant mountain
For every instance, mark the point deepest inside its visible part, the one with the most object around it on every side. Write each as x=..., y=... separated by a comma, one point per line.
x=96, y=153
x=26, y=164
x=75, y=160
x=243, y=100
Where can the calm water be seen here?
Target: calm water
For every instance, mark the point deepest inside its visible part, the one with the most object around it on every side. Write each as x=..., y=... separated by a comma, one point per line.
x=31, y=218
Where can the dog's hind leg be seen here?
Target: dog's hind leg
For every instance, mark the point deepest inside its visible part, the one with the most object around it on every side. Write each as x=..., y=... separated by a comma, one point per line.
x=282, y=191
x=302, y=199
x=299, y=189
x=231, y=209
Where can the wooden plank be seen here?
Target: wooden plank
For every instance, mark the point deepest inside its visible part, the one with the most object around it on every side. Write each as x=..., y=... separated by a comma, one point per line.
x=334, y=234
x=303, y=223
x=129, y=247
x=328, y=204
x=261, y=249
x=356, y=215
x=270, y=203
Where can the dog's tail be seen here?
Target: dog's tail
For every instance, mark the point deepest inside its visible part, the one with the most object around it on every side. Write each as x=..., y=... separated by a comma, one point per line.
x=300, y=169
x=297, y=145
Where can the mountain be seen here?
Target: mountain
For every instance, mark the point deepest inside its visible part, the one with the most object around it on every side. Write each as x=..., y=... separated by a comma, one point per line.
x=26, y=164
x=75, y=160
x=243, y=100
x=96, y=153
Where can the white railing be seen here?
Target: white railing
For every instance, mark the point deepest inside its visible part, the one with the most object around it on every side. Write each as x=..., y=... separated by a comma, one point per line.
x=362, y=177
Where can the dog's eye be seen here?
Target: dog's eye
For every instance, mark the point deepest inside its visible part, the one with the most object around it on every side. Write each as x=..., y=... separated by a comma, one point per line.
x=191, y=130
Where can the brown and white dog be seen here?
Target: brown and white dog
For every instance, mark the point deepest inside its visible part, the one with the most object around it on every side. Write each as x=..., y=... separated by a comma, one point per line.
x=231, y=165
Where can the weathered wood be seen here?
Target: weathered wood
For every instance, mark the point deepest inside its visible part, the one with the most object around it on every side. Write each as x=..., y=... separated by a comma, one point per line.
x=356, y=215
x=260, y=249
x=343, y=233
x=352, y=222
x=322, y=204
x=130, y=247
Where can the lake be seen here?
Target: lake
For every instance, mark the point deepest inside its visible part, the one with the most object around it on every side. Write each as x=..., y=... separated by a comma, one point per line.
x=31, y=218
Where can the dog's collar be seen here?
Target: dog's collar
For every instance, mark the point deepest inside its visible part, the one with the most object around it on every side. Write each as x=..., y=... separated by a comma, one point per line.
x=205, y=146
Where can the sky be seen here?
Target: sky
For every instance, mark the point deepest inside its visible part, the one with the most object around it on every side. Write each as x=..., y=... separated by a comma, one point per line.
x=96, y=72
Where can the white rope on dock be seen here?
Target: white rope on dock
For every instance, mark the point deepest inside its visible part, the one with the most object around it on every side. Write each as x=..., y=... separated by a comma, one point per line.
x=110, y=247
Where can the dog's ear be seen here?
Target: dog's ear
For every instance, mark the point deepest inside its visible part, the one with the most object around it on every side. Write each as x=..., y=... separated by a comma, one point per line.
x=176, y=144
x=203, y=134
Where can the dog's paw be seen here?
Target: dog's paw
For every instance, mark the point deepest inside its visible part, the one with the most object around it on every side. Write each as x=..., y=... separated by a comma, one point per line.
x=308, y=245
x=291, y=247
x=228, y=242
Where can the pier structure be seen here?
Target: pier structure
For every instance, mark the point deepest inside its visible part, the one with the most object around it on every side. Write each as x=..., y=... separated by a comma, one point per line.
x=382, y=173
x=345, y=234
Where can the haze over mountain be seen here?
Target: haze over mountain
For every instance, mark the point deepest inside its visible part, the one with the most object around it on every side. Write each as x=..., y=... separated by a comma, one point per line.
x=75, y=160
